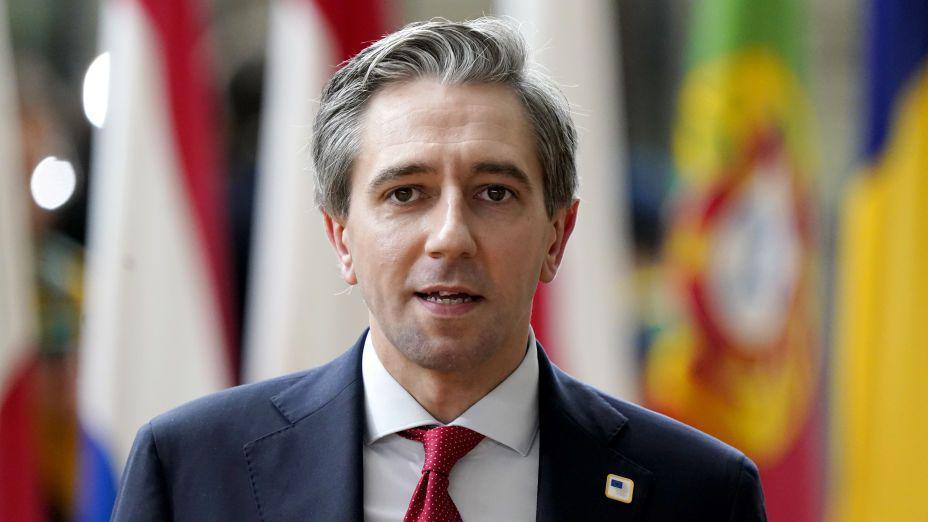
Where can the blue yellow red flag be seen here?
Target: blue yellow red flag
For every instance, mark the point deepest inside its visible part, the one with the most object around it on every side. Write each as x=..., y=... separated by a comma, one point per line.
x=881, y=356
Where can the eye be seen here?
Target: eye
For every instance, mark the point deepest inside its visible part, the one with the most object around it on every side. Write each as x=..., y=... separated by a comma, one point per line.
x=495, y=193
x=404, y=195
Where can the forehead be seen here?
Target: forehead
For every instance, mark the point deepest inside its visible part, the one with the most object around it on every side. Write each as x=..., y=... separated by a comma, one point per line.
x=420, y=116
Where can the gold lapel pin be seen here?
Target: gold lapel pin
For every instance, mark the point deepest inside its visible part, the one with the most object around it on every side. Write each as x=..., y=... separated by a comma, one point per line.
x=619, y=488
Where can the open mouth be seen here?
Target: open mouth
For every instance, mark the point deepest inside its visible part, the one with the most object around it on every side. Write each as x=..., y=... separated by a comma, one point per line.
x=448, y=298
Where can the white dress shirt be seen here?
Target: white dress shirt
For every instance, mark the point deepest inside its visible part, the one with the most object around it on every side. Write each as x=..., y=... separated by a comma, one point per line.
x=497, y=480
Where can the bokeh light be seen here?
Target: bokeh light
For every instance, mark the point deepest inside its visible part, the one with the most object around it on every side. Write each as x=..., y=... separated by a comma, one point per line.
x=53, y=183
x=96, y=90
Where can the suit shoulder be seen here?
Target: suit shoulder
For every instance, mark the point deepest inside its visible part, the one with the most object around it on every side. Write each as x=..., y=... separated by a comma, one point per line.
x=249, y=411
x=591, y=405
x=684, y=459
x=654, y=439
x=648, y=425
x=226, y=411
x=229, y=401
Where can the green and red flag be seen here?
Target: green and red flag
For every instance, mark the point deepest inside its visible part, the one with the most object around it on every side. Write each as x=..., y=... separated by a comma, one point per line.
x=738, y=354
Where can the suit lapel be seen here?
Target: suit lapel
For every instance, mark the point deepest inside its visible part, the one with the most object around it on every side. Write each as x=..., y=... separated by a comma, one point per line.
x=577, y=427
x=312, y=469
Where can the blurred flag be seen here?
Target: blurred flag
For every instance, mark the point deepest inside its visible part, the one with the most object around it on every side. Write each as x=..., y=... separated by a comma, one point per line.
x=738, y=355
x=300, y=313
x=583, y=318
x=881, y=358
x=157, y=326
x=19, y=488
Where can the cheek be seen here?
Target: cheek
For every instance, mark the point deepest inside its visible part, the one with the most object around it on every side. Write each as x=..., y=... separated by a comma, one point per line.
x=516, y=257
x=386, y=254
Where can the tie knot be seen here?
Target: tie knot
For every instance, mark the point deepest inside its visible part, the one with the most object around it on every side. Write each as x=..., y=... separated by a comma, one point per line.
x=444, y=445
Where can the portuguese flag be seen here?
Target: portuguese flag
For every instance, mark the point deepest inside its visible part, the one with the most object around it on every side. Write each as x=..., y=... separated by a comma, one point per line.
x=738, y=355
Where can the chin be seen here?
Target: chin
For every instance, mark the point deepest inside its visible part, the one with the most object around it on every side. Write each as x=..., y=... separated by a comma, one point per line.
x=446, y=352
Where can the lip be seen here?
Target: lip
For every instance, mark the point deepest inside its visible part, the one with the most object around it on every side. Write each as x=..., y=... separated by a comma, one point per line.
x=448, y=310
x=454, y=289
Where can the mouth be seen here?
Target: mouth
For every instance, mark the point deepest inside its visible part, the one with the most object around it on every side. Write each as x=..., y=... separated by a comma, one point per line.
x=452, y=301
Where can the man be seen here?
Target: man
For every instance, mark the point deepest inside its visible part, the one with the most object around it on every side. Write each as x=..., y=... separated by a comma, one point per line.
x=445, y=174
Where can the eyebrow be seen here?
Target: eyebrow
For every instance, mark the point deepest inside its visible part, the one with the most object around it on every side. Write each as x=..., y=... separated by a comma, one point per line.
x=391, y=174
x=505, y=169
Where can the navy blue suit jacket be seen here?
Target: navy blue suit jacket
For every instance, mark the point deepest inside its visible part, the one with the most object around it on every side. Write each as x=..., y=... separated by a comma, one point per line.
x=289, y=449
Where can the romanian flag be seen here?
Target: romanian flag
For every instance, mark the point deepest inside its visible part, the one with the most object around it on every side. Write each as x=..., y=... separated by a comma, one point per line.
x=881, y=358
x=157, y=327
x=738, y=355
x=300, y=312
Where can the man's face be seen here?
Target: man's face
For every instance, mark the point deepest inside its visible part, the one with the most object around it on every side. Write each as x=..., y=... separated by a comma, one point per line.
x=447, y=233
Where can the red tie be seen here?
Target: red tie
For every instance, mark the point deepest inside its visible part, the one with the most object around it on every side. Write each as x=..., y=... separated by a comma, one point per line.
x=444, y=446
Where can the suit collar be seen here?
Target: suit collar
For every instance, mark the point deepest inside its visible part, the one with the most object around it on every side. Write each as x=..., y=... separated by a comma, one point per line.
x=306, y=470
x=578, y=428
x=508, y=414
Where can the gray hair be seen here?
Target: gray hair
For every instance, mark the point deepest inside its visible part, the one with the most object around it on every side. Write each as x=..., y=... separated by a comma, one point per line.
x=486, y=50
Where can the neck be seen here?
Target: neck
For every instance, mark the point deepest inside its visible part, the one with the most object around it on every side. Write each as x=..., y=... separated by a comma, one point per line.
x=448, y=394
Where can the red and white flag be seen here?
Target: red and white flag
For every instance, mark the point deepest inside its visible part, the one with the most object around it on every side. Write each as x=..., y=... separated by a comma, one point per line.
x=301, y=314
x=584, y=317
x=19, y=498
x=157, y=329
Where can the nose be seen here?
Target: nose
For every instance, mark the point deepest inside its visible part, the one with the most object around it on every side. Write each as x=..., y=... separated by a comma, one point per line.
x=450, y=234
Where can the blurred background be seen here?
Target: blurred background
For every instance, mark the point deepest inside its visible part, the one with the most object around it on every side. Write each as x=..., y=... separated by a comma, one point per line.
x=751, y=255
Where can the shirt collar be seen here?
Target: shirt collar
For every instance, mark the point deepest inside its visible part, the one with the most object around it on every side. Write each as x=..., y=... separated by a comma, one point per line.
x=507, y=415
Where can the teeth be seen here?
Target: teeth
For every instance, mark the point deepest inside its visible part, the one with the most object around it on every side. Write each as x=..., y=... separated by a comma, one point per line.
x=444, y=298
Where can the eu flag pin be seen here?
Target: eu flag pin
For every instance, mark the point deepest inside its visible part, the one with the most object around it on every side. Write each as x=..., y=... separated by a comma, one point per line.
x=619, y=488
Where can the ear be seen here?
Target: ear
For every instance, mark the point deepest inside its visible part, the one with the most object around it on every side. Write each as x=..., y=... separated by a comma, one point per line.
x=563, y=222
x=338, y=236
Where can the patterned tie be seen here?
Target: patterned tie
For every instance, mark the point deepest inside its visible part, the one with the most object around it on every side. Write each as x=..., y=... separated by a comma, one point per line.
x=444, y=446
